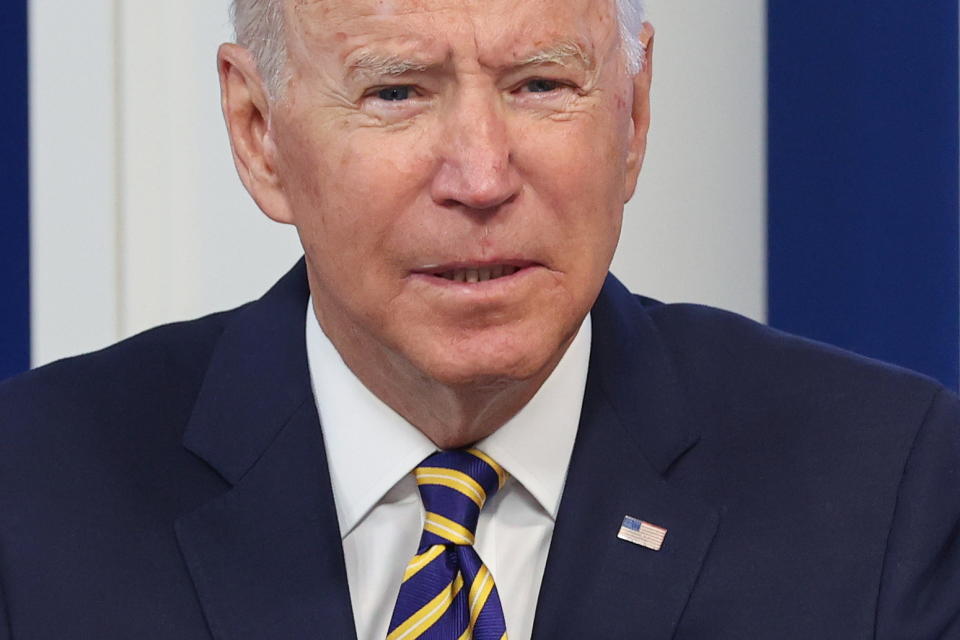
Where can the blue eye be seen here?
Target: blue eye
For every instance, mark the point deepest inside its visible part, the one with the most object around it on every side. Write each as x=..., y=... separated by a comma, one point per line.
x=542, y=86
x=394, y=94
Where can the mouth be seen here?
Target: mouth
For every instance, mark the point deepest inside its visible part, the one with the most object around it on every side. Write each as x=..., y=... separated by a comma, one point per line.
x=475, y=273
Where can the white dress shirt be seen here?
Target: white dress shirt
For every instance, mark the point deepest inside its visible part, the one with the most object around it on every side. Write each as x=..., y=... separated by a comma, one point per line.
x=372, y=451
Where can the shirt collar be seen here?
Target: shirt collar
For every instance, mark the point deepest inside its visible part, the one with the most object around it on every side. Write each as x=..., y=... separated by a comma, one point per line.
x=370, y=447
x=535, y=445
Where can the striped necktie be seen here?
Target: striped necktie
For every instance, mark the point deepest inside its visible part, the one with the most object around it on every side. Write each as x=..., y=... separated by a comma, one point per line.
x=447, y=592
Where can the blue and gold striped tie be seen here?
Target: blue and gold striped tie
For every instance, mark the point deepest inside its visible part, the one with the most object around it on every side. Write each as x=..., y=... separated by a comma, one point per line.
x=447, y=592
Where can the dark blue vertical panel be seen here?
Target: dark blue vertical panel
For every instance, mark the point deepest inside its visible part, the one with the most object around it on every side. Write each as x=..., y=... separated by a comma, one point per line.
x=863, y=177
x=14, y=201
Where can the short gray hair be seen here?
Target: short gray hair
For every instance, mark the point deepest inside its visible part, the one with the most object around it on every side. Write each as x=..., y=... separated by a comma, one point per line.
x=259, y=26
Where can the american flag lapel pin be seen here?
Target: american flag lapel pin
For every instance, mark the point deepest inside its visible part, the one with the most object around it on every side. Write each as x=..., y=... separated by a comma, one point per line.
x=642, y=533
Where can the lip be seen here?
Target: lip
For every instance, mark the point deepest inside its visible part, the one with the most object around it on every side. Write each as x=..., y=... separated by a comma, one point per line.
x=437, y=269
x=490, y=290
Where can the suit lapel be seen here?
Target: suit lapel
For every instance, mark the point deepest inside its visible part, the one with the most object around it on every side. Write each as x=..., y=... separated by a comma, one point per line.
x=632, y=429
x=266, y=556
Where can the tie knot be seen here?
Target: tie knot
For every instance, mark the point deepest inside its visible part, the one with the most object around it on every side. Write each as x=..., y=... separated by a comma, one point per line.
x=454, y=486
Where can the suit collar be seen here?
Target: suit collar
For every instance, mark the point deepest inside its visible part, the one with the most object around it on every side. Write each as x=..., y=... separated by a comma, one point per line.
x=257, y=378
x=632, y=367
x=266, y=556
x=633, y=428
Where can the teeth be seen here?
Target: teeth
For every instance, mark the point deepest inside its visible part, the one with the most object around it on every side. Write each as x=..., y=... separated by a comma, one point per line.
x=480, y=274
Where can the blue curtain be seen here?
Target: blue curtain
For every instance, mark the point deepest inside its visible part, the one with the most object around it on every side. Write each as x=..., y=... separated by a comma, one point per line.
x=863, y=178
x=14, y=195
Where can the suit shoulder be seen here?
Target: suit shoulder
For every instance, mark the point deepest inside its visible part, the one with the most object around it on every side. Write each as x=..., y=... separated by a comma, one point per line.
x=162, y=367
x=744, y=359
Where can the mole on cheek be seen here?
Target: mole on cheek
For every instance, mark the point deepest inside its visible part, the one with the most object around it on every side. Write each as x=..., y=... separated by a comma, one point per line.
x=386, y=8
x=346, y=160
x=624, y=101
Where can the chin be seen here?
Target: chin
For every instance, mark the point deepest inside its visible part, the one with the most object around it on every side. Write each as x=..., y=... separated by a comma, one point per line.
x=478, y=376
x=488, y=364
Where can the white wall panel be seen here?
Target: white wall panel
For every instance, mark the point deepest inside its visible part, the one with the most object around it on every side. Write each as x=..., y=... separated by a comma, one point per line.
x=73, y=187
x=696, y=229
x=194, y=242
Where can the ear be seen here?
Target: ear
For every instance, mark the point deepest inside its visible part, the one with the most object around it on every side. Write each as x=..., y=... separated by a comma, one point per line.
x=640, y=115
x=246, y=110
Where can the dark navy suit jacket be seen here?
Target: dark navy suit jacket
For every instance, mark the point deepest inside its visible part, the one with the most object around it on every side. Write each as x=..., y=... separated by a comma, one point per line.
x=175, y=486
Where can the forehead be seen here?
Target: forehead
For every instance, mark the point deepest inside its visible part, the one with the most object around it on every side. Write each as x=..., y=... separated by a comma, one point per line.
x=493, y=29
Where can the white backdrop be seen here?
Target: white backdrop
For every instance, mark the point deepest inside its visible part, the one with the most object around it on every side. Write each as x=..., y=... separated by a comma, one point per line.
x=138, y=217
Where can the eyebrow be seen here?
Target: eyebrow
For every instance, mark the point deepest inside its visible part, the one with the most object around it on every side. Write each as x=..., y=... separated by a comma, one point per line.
x=373, y=64
x=561, y=54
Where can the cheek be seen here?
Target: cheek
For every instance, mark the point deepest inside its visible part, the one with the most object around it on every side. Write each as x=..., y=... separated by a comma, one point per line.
x=377, y=165
x=577, y=167
x=349, y=189
x=380, y=186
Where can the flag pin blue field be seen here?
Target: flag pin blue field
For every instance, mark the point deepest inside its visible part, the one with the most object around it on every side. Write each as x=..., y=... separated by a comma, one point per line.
x=642, y=533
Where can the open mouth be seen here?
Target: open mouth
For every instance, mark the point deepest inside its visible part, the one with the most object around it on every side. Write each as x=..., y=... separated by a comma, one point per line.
x=478, y=275
x=473, y=274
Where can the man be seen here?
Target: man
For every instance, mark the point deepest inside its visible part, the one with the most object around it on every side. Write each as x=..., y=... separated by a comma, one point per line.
x=456, y=171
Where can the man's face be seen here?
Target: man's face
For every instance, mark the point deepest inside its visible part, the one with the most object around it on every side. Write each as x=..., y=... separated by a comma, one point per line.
x=425, y=144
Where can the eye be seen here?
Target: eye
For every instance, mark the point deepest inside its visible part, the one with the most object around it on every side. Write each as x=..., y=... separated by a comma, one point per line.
x=394, y=94
x=540, y=85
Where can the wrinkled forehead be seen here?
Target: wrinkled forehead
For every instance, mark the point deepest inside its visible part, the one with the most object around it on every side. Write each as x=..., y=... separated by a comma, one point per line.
x=493, y=30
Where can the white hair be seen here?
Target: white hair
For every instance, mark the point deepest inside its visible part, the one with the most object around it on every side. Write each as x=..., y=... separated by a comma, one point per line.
x=259, y=26
x=631, y=15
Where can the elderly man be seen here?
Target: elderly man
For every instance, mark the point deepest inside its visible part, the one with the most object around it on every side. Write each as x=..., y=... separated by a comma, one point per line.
x=448, y=421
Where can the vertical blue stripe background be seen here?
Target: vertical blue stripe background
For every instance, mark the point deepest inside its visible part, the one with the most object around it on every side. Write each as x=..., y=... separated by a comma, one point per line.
x=863, y=178
x=14, y=192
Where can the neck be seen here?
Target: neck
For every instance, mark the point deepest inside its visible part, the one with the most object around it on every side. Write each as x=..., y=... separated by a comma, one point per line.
x=451, y=416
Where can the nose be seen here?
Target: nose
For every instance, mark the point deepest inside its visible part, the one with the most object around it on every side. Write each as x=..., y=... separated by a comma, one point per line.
x=476, y=169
